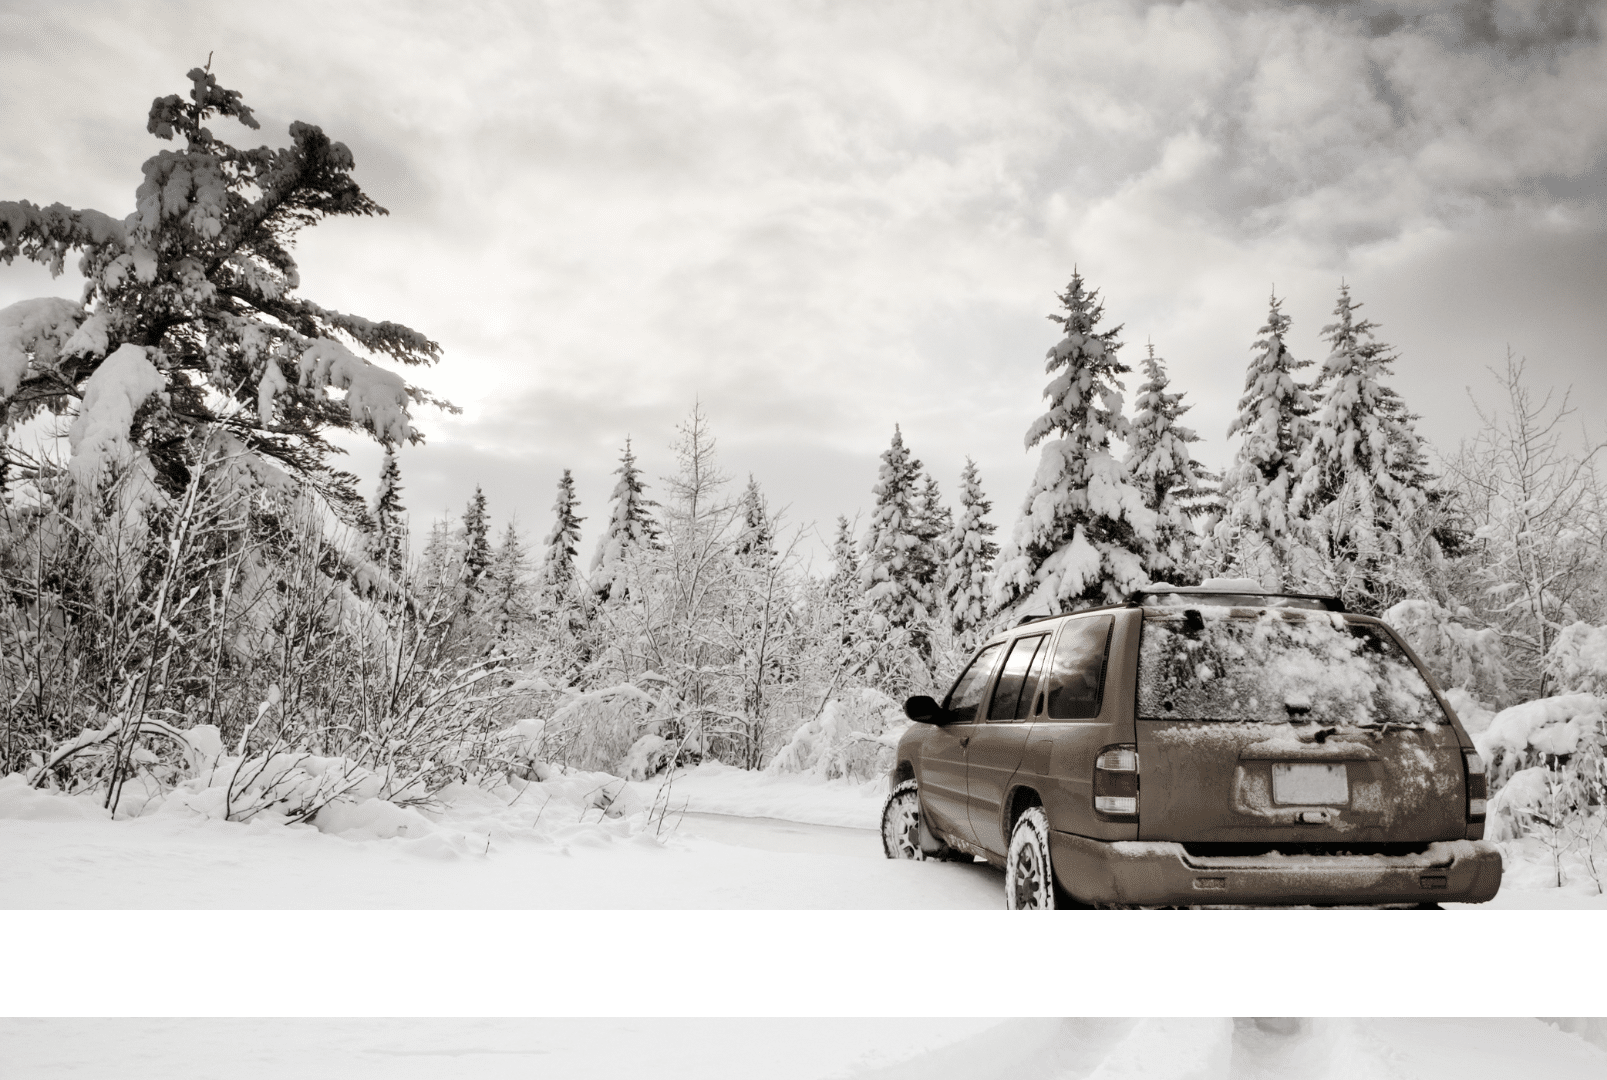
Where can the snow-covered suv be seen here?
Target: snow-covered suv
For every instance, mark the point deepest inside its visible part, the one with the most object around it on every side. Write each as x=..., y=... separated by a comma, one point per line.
x=1204, y=745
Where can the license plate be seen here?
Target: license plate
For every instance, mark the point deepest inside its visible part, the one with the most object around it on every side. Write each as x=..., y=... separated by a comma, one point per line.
x=1307, y=785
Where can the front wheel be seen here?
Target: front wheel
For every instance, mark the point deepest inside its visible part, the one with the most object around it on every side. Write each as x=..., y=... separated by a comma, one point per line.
x=901, y=824
x=1029, y=877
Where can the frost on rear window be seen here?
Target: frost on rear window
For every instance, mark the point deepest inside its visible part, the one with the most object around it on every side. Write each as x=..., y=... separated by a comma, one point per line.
x=1277, y=667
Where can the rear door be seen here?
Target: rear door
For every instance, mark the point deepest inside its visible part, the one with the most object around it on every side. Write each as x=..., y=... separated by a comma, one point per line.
x=998, y=741
x=1278, y=727
x=943, y=750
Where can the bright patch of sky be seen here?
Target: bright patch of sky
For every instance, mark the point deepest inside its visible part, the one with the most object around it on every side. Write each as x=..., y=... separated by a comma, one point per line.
x=823, y=219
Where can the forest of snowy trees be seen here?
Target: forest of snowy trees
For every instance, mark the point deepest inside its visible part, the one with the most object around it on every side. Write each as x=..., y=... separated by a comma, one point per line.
x=193, y=560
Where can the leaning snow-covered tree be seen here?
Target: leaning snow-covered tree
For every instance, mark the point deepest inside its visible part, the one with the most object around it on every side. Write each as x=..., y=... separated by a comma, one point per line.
x=190, y=323
x=1162, y=467
x=1358, y=484
x=1084, y=527
x=1254, y=538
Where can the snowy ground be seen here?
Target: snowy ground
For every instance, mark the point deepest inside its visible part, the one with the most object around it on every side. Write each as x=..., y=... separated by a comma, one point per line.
x=732, y=840
x=860, y=1049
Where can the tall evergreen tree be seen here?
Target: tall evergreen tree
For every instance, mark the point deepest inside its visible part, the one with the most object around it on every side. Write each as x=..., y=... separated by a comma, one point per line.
x=1084, y=527
x=476, y=545
x=1360, y=476
x=843, y=585
x=558, y=551
x=1163, y=469
x=891, y=556
x=755, y=544
x=506, y=585
x=971, y=551
x=390, y=518
x=630, y=525
x=1255, y=538
x=933, y=523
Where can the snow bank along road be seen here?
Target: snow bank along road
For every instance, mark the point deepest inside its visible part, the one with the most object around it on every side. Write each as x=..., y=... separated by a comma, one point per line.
x=814, y=1049
x=732, y=840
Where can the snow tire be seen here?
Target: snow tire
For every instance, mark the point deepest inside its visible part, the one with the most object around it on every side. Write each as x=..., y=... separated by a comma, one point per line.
x=1029, y=877
x=901, y=825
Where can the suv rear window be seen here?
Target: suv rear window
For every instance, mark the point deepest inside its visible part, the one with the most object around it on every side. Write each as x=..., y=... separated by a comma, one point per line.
x=1266, y=667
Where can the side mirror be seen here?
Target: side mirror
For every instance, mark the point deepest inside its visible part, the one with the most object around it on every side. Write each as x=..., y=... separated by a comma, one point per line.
x=923, y=710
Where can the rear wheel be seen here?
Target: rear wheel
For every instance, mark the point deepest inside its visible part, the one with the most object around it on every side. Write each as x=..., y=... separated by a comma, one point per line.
x=901, y=825
x=1029, y=877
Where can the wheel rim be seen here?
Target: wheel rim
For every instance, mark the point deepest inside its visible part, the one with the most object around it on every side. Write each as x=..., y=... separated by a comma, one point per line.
x=903, y=829
x=1027, y=878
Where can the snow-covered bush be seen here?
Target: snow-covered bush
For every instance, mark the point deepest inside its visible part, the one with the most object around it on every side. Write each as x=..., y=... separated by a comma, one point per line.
x=1459, y=656
x=1578, y=660
x=853, y=736
x=1541, y=732
x=1547, y=763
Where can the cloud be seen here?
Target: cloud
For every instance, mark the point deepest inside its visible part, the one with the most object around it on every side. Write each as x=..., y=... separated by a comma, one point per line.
x=826, y=219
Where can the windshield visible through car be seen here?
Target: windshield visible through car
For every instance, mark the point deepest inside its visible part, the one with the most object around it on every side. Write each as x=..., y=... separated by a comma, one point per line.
x=1277, y=667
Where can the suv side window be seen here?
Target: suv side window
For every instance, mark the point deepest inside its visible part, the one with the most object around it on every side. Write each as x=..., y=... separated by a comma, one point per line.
x=1007, y=694
x=1029, y=689
x=967, y=693
x=1077, y=676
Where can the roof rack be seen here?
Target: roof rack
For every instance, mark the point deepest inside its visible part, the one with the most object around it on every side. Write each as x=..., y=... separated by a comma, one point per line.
x=1331, y=603
x=1025, y=619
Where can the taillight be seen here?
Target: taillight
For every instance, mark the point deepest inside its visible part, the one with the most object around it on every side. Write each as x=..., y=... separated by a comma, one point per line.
x=1116, y=781
x=1478, y=786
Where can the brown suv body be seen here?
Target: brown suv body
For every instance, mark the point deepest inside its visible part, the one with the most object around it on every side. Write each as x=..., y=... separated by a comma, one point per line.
x=1221, y=814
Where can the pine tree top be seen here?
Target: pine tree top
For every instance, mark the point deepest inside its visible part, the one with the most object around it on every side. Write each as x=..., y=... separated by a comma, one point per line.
x=1085, y=399
x=1272, y=413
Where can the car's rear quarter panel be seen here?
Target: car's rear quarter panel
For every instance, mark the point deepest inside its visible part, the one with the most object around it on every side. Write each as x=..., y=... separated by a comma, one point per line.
x=1059, y=762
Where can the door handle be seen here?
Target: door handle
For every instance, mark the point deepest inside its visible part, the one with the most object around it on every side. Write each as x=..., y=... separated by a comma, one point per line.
x=965, y=741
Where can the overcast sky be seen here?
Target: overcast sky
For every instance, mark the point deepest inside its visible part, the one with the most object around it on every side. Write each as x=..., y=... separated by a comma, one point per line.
x=822, y=219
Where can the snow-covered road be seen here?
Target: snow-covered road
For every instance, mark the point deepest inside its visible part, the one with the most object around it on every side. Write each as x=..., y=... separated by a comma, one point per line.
x=732, y=840
x=802, y=1049
x=706, y=862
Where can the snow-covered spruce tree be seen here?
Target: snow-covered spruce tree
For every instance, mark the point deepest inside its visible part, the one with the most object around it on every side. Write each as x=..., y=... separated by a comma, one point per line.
x=843, y=586
x=933, y=523
x=1084, y=527
x=507, y=598
x=389, y=546
x=971, y=551
x=892, y=554
x=1358, y=476
x=476, y=541
x=189, y=327
x=562, y=614
x=756, y=542
x=1162, y=467
x=630, y=526
x=1254, y=538
x=558, y=580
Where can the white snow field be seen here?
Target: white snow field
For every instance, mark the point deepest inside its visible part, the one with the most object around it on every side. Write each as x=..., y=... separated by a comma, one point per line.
x=802, y=1049
x=732, y=839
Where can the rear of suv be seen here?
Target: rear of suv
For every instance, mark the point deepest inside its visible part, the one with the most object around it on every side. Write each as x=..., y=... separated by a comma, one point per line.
x=1200, y=745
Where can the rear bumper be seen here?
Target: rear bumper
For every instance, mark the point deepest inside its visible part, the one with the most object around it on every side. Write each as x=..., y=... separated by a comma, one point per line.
x=1158, y=873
